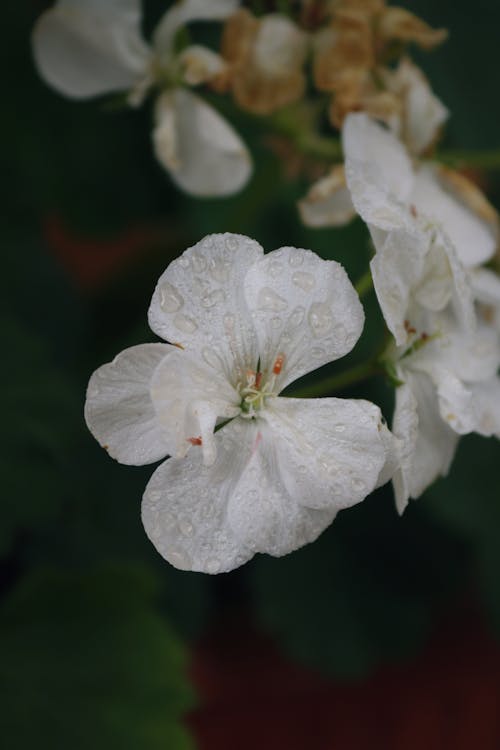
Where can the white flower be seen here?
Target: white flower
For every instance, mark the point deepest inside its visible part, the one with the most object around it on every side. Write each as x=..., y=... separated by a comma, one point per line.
x=242, y=326
x=449, y=387
x=428, y=230
x=389, y=193
x=86, y=48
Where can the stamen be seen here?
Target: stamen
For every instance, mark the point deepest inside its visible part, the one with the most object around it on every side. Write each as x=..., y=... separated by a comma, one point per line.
x=258, y=380
x=278, y=364
x=195, y=441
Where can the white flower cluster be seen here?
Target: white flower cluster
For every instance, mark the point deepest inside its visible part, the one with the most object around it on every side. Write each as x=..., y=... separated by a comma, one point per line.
x=250, y=470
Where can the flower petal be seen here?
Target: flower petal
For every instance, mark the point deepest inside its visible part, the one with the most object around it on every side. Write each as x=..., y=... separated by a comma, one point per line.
x=305, y=311
x=199, y=302
x=188, y=397
x=396, y=270
x=473, y=237
x=428, y=443
x=330, y=451
x=184, y=509
x=486, y=399
x=202, y=151
x=184, y=12
x=424, y=113
x=119, y=411
x=213, y=519
x=85, y=48
x=328, y=202
x=378, y=172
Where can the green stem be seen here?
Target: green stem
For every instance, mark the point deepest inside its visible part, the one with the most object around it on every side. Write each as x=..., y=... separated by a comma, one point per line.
x=334, y=383
x=364, y=284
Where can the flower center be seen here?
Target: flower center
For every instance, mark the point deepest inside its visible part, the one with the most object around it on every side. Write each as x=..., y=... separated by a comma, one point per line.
x=256, y=390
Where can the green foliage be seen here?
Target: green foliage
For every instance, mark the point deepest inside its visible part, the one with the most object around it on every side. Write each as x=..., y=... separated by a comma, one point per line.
x=365, y=593
x=87, y=662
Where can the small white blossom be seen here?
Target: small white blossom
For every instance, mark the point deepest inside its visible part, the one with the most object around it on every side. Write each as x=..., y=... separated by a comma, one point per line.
x=389, y=193
x=242, y=326
x=448, y=387
x=86, y=48
x=426, y=235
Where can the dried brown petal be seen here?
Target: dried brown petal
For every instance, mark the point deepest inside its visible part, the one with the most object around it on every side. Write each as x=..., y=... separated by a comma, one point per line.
x=398, y=24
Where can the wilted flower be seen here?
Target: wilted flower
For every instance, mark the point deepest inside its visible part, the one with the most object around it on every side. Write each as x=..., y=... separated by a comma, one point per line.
x=351, y=57
x=85, y=48
x=243, y=325
x=265, y=58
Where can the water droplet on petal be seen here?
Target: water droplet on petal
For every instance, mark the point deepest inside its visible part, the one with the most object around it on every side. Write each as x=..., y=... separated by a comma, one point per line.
x=216, y=297
x=304, y=280
x=154, y=496
x=296, y=259
x=317, y=352
x=93, y=391
x=232, y=243
x=179, y=558
x=186, y=528
x=213, y=565
x=276, y=322
x=183, y=261
x=275, y=269
x=339, y=427
x=220, y=271
x=185, y=324
x=320, y=319
x=297, y=316
x=340, y=333
x=269, y=301
x=358, y=485
x=170, y=299
x=199, y=263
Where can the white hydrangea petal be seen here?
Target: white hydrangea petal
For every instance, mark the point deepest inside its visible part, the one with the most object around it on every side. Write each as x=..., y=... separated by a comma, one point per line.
x=189, y=397
x=85, y=48
x=199, y=302
x=471, y=237
x=184, y=12
x=184, y=508
x=330, y=451
x=379, y=173
x=305, y=311
x=328, y=202
x=428, y=443
x=396, y=270
x=201, y=150
x=119, y=411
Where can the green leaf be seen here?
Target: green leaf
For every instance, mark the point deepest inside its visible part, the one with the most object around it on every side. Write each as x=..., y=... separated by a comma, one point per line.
x=87, y=662
x=361, y=595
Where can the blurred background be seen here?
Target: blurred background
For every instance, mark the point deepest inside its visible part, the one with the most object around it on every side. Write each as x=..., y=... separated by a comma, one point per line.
x=383, y=634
